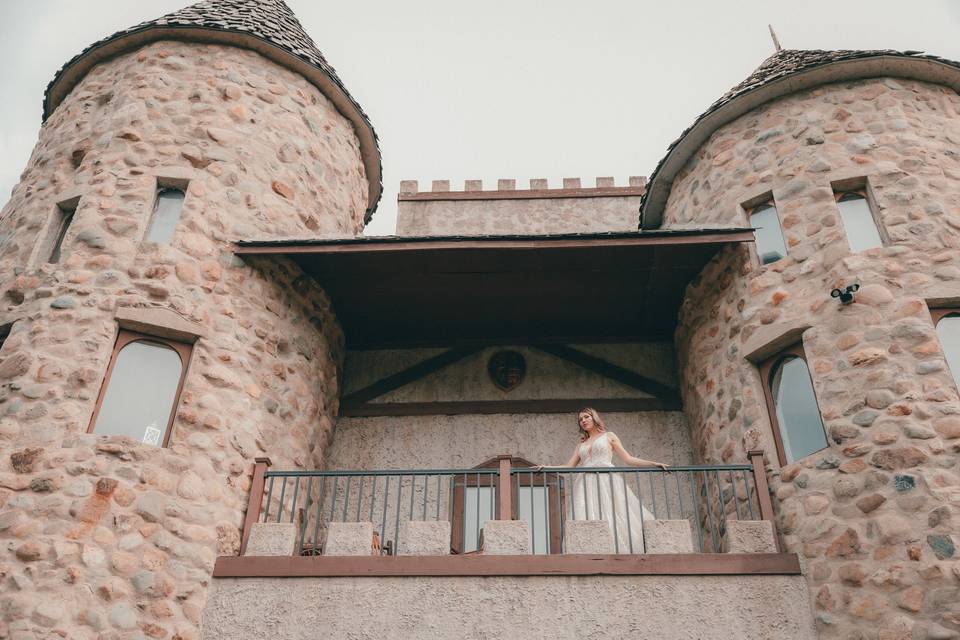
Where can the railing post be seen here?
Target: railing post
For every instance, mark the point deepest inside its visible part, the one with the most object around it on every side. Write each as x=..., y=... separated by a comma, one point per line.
x=255, y=501
x=763, y=490
x=504, y=490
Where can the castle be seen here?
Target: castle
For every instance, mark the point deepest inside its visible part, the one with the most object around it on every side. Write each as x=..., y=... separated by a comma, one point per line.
x=226, y=413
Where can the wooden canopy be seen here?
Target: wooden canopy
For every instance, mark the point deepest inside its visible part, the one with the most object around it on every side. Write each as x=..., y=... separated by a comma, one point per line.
x=392, y=292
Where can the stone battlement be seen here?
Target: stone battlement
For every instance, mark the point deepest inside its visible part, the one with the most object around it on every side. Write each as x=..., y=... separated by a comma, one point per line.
x=539, y=209
x=507, y=188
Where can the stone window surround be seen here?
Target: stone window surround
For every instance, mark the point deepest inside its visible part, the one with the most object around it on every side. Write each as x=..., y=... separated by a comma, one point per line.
x=863, y=186
x=766, y=370
x=764, y=349
x=170, y=177
x=746, y=209
x=859, y=183
x=154, y=324
x=41, y=249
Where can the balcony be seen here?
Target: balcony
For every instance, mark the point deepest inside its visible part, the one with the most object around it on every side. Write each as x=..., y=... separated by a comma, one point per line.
x=505, y=518
x=428, y=553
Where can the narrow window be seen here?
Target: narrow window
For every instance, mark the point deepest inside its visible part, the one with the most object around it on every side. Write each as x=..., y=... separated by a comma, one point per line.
x=948, y=331
x=166, y=215
x=767, y=232
x=4, y=334
x=141, y=388
x=858, y=221
x=63, y=216
x=792, y=405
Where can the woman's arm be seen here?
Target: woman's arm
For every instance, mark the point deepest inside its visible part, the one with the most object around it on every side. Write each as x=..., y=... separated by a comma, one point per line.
x=572, y=462
x=629, y=459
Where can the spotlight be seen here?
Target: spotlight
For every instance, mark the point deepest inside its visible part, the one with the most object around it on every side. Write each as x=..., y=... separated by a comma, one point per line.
x=845, y=295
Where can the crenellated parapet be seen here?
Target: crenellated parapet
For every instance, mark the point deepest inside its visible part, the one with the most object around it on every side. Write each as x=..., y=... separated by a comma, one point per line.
x=538, y=209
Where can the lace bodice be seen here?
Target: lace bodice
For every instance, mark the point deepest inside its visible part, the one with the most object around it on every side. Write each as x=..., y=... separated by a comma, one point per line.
x=596, y=454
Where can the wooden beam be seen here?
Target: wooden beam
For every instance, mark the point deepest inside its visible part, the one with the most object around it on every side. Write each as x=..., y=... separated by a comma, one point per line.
x=459, y=244
x=407, y=376
x=609, y=370
x=506, y=406
x=669, y=564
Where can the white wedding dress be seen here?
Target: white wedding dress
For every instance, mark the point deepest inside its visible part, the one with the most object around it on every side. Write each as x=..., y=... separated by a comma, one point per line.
x=607, y=496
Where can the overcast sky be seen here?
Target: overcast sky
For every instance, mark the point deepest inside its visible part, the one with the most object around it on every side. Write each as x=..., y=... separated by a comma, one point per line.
x=498, y=89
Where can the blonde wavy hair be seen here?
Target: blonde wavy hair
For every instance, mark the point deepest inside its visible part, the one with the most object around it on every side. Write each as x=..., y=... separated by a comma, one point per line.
x=596, y=420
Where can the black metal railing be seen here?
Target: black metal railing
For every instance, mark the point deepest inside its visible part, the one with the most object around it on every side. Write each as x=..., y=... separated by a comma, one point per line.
x=627, y=498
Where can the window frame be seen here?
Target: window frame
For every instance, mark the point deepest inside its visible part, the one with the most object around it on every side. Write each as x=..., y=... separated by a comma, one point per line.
x=937, y=314
x=57, y=227
x=518, y=480
x=766, y=370
x=166, y=184
x=749, y=208
x=839, y=191
x=125, y=337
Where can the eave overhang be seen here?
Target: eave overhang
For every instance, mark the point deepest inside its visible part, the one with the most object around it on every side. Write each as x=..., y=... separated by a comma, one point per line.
x=393, y=292
x=906, y=65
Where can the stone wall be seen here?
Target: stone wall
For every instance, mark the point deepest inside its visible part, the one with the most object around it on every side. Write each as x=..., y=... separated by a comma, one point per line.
x=104, y=537
x=875, y=514
x=716, y=607
x=511, y=211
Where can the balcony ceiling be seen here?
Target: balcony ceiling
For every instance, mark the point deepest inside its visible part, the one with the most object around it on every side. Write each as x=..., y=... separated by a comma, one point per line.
x=392, y=292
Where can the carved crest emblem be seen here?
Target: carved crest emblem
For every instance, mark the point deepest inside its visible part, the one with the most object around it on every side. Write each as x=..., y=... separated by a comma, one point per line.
x=506, y=369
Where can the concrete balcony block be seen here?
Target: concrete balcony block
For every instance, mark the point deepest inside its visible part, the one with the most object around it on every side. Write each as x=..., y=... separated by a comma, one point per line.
x=349, y=539
x=272, y=539
x=750, y=536
x=587, y=536
x=667, y=536
x=424, y=538
x=505, y=537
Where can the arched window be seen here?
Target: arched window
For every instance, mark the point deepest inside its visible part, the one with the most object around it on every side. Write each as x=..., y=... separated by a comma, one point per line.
x=767, y=232
x=792, y=405
x=141, y=388
x=166, y=215
x=948, y=331
x=858, y=221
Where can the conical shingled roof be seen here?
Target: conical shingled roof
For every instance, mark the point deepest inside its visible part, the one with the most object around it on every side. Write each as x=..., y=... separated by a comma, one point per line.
x=266, y=26
x=779, y=75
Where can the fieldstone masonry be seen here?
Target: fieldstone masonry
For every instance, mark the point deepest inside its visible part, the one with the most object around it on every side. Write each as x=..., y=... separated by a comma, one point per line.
x=104, y=537
x=873, y=515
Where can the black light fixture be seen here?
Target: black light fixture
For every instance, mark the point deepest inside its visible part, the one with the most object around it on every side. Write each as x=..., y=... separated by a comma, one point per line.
x=845, y=295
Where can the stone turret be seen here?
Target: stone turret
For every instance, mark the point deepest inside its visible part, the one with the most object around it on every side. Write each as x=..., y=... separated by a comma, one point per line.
x=161, y=145
x=874, y=510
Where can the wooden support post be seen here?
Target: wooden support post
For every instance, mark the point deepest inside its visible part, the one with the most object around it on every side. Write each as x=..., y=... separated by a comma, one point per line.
x=255, y=501
x=504, y=490
x=763, y=490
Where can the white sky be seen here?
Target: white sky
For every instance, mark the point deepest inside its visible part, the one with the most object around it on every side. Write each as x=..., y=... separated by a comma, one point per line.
x=500, y=89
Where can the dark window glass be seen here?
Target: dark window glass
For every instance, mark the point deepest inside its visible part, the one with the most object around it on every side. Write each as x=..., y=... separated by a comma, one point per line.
x=59, y=232
x=141, y=392
x=858, y=222
x=948, y=330
x=798, y=415
x=767, y=232
x=166, y=215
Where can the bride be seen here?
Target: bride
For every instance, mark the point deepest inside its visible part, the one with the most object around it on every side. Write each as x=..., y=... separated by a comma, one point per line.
x=606, y=496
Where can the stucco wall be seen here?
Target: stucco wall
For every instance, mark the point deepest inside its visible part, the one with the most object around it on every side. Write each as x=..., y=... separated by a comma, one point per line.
x=547, y=376
x=669, y=607
x=464, y=441
x=875, y=513
x=104, y=536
